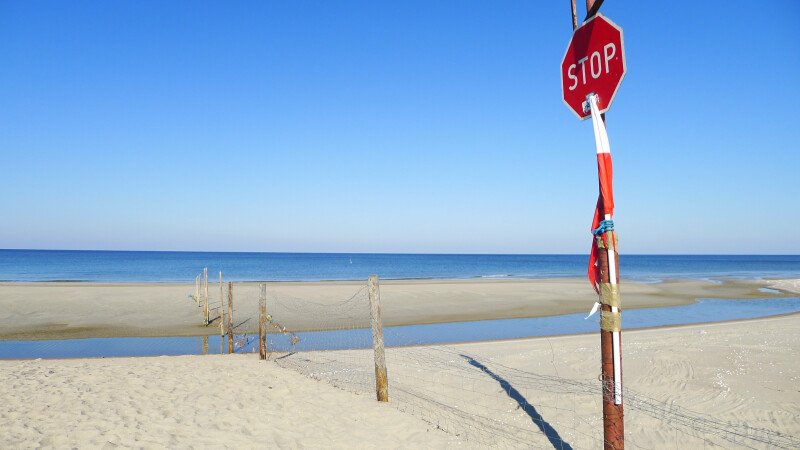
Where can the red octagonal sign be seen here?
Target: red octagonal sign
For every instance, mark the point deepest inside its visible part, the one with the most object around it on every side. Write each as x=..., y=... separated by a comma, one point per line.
x=594, y=63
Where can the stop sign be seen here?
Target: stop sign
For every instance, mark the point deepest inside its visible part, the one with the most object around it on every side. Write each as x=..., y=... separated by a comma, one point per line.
x=594, y=63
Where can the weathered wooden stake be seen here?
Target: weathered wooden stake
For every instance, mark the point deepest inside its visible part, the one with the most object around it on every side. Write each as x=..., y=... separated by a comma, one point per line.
x=230, y=317
x=262, y=322
x=221, y=308
x=381, y=378
x=205, y=292
x=197, y=290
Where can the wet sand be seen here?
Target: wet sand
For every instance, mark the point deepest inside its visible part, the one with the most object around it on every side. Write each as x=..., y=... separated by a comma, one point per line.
x=64, y=310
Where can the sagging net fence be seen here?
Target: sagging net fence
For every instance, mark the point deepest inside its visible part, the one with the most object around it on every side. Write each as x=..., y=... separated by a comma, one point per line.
x=481, y=394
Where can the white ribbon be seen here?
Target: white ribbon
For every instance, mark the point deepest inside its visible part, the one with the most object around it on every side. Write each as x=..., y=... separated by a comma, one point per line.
x=600, y=135
x=602, y=146
x=594, y=310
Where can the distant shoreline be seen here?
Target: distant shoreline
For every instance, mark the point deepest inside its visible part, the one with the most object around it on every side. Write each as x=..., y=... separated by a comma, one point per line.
x=377, y=253
x=487, y=278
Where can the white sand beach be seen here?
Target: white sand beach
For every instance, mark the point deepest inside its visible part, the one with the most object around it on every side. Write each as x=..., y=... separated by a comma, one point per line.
x=707, y=385
x=232, y=401
x=727, y=384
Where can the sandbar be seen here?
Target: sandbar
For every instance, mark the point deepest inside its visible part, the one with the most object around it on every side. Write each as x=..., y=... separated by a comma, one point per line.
x=65, y=310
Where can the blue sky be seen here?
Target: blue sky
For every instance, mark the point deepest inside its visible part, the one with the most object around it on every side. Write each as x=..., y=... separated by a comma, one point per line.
x=391, y=127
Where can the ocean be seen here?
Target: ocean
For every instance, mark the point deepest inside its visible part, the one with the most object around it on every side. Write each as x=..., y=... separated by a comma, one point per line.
x=153, y=266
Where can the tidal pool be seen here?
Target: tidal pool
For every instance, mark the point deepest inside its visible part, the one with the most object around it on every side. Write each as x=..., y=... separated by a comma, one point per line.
x=705, y=310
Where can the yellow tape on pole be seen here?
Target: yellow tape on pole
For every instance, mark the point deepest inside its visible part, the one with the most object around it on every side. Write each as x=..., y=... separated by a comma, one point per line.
x=609, y=295
x=610, y=321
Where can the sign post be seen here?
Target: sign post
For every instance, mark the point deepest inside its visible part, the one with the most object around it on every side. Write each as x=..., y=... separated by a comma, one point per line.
x=591, y=72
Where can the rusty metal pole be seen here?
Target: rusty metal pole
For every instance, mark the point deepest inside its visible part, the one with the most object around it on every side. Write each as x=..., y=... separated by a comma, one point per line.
x=613, y=412
x=613, y=417
x=592, y=7
x=574, y=15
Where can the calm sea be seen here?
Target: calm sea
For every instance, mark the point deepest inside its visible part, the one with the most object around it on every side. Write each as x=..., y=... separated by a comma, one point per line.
x=131, y=266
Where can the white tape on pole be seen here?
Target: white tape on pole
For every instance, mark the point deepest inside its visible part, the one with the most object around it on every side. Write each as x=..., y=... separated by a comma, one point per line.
x=601, y=143
x=600, y=135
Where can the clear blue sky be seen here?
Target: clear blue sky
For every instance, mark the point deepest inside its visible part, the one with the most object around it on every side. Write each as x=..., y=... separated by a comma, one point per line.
x=392, y=127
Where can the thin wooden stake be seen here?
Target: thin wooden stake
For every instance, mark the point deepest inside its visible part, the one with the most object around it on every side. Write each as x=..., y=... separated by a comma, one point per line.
x=205, y=292
x=381, y=378
x=221, y=309
x=197, y=290
x=262, y=322
x=230, y=317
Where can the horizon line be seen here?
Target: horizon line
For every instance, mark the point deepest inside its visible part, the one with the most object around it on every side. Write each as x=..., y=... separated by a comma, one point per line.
x=384, y=253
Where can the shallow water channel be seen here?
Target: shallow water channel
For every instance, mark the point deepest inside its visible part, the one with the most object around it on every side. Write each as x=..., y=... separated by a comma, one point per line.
x=705, y=310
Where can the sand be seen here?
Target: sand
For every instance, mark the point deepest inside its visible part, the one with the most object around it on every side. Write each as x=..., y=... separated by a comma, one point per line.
x=744, y=375
x=725, y=384
x=790, y=285
x=78, y=310
x=731, y=379
x=188, y=402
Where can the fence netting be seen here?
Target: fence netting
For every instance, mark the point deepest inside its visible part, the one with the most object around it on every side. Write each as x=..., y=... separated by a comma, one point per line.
x=473, y=392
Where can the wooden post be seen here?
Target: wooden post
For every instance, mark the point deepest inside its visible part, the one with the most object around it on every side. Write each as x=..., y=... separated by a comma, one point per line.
x=262, y=322
x=610, y=341
x=197, y=290
x=230, y=317
x=381, y=378
x=221, y=308
x=221, y=316
x=205, y=292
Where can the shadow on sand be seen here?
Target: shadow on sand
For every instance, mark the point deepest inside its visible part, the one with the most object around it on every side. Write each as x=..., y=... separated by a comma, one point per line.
x=552, y=435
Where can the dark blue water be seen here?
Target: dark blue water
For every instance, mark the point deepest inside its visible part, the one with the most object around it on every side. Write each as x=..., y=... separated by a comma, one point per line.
x=118, y=266
x=706, y=310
